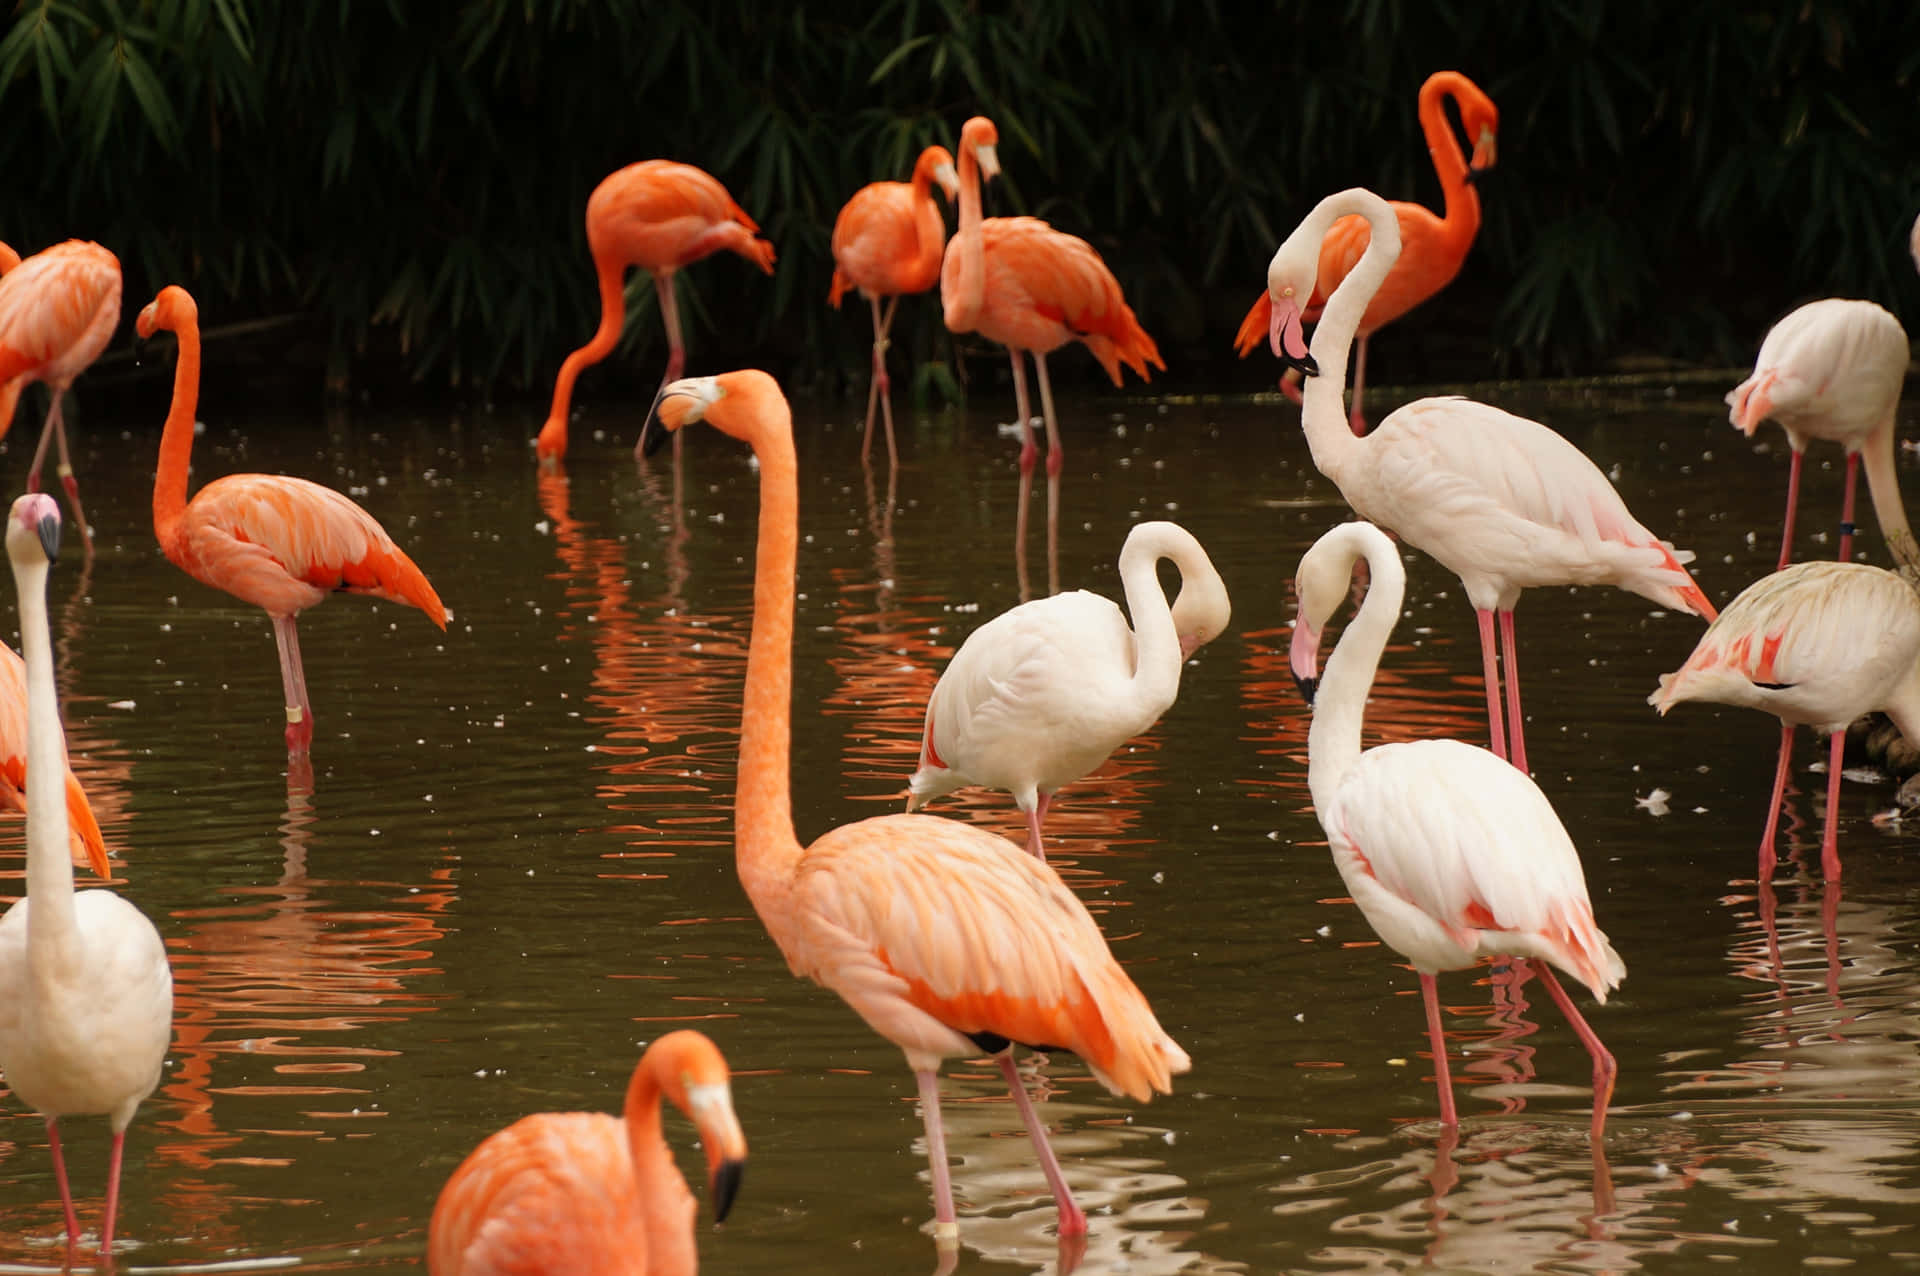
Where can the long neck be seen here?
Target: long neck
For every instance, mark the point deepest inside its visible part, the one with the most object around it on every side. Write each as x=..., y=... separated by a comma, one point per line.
x=963, y=307
x=1461, y=220
x=666, y=1203
x=1333, y=741
x=1323, y=412
x=176, y=441
x=1883, y=485
x=765, y=847
x=49, y=870
x=613, y=316
x=1156, y=643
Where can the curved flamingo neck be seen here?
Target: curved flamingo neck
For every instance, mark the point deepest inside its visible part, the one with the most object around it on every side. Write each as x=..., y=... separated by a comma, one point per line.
x=613, y=316
x=663, y=1194
x=176, y=440
x=52, y=928
x=1339, y=704
x=1156, y=642
x=1883, y=486
x=1461, y=217
x=1323, y=410
x=963, y=305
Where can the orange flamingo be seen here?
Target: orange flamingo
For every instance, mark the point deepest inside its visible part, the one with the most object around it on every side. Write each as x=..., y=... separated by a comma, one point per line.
x=577, y=1192
x=86, y=844
x=659, y=216
x=58, y=309
x=887, y=242
x=278, y=542
x=1031, y=288
x=1432, y=248
x=910, y=918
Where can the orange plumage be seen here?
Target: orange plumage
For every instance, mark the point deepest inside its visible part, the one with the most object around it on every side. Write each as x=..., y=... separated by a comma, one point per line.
x=83, y=832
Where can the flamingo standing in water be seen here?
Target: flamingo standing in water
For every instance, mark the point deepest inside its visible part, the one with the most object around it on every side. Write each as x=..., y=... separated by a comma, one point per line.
x=1432, y=248
x=88, y=1011
x=1815, y=644
x=888, y=242
x=280, y=543
x=1502, y=502
x=1040, y=695
x=1834, y=369
x=566, y=1193
x=15, y=753
x=1451, y=854
x=943, y=937
x=659, y=216
x=58, y=309
x=1019, y=282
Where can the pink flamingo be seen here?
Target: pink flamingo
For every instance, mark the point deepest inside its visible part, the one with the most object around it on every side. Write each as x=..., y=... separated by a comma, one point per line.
x=278, y=542
x=1042, y=694
x=909, y=917
x=659, y=216
x=887, y=242
x=58, y=309
x=1450, y=853
x=582, y=1192
x=1502, y=502
x=1833, y=370
x=1815, y=644
x=15, y=736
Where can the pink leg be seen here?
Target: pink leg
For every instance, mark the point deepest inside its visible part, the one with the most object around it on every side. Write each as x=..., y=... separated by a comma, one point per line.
x=1846, y=508
x=1767, y=857
x=1793, y=503
x=1073, y=1220
x=48, y=428
x=72, y=484
x=1028, y=451
x=946, y=1222
x=676, y=349
x=881, y=388
x=113, y=1194
x=60, y=1176
x=1441, y=1077
x=1509, y=659
x=1356, y=419
x=1055, y=460
x=293, y=683
x=1830, y=835
x=1605, y=1070
x=1035, y=846
x=1490, y=666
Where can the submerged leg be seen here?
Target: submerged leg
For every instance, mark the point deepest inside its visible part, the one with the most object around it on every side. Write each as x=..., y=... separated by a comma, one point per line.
x=882, y=387
x=1073, y=1220
x=113, y=1194
x=60, y=1176
x=1356, y=419
x=1605, y=1070
x=1490, y=667
x=1846, y=508
x=1767, y=856
x=1430, y=994
x=1510, y=664
x=1055, y=459
x=1793, y=503
x=946, y=1222
x=1830, y=834
x=293, y=683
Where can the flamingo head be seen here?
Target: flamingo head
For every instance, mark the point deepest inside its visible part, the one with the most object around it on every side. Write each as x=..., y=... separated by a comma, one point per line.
x=694, y=1078
x=979, y=138
x=937, y=163
x=1751, y=402
x=33, y=529
x=173, y=310
x=1320, y=587
x=738, y=403
x=550, y=445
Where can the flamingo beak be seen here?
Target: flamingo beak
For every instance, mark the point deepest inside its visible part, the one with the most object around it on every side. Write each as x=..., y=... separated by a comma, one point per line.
x=1485, y=155
x=49, y=530
x=725, y=1186
x=1303, y=657
x=1289, y=341
x=711, y=1106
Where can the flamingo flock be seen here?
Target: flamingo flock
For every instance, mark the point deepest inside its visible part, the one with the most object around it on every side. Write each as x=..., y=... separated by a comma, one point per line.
x=949, y=941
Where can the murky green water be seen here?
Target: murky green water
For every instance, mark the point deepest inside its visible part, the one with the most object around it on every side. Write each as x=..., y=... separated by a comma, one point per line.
x=514, y=866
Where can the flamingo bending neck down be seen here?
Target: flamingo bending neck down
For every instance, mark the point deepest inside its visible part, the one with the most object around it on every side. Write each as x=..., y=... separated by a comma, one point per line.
x=58, y=310
x=1502, y=502
x=1433, y=248
x=88, y=1011
x=1041, y=695
x=887, y=242
x=584, y=1192
x=904, y=916
x=659, y=216
x=1019, y=282
x=280, y=543
x=1451, y=854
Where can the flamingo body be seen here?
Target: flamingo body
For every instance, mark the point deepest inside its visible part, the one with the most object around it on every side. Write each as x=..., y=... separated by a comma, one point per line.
x=558, y=1193
x=83, y=830
x=1042, y=694
x=660, y=216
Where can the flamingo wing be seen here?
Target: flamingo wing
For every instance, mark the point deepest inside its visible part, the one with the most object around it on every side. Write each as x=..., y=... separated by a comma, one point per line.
x=83, y=831
x=1053, y=287
x=58, y=309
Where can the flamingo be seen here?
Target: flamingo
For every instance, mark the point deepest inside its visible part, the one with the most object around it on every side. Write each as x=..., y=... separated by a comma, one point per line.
x=58, y=309
x=1040, y=695
x=559, y=1193
x=88, y=1011
x=944, y=938
x=1815, y=644
x=1433, y=248
x=887, y=242
x=84, y=838
x=1502, y=502
x=278, y=542
x=1019, y=282
x=1450, y=853
x=659, y=216
x=1833, y=369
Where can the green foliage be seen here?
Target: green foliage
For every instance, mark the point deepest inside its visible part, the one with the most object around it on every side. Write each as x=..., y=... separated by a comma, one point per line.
x=1672, y=176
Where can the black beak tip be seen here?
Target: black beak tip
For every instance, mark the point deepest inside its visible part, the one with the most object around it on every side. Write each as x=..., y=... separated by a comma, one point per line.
x=1474, y=175
x=1307, y=687
x=726, y=1185
x=50, y=537
x=1305, y=364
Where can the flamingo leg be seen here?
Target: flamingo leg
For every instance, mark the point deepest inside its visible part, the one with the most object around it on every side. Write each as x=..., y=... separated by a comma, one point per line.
x=48, y=429
x=881, y=387
x=1793, y=503
x=1605, y=1070
x=1490, y=666
x=1509, y=659
x=1830, y=833
x=1055, y=460
x=1767, y=857
x=1028, y=451
x=1035, y=815
x=946, y=1222
x=676, y=350
x=1846, y=508
x=113, y=1194
x=1356, y=419
x=1430, y=994
x=293, y=682
x=60, y=1176
x=1073, y=1220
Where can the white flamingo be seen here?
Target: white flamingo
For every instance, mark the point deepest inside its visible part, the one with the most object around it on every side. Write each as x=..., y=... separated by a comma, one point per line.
x=1502, y=502
x=88, y=1010
x=1040, y=695
x=1450, y=853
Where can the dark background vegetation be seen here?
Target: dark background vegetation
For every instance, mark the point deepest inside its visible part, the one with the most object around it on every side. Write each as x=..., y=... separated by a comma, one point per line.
x=405, y=179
